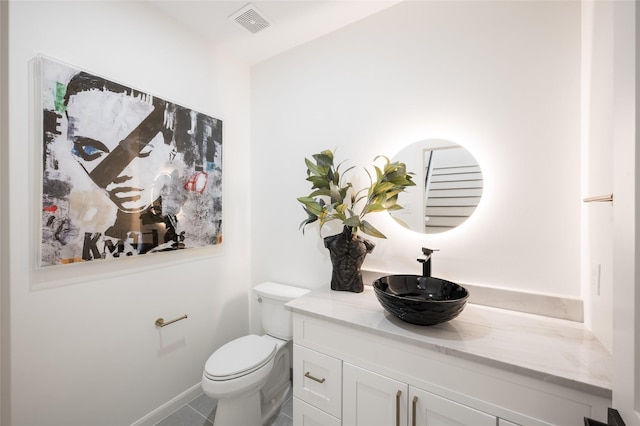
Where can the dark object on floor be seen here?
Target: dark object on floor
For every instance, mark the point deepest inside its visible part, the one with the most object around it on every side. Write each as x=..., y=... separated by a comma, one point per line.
x=613, y=419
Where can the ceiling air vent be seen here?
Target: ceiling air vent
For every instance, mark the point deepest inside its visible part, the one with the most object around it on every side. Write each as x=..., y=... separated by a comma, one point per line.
x=251, y=18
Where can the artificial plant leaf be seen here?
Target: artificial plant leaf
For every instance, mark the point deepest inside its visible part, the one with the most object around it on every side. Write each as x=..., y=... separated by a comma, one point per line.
x=393, y=195
x=382, y=156
x=320, y=193
x=401, y=222
x=341, y=208
x=311, y=205
x=382, y=187
x=306, y=222
x=379, y=173
x=318, y=182
x=325, y=158
x=371, y=208
x=346, y=171
x=336, y=196
x=369, y=229
x=305, y=200
x=393, y=207
x=310, y=213
x=402, y=180
x=313, y=168
x=339, y=215
x=353, y=222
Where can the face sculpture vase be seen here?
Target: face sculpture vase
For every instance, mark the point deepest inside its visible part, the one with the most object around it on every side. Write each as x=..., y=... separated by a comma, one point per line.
x=347, y=255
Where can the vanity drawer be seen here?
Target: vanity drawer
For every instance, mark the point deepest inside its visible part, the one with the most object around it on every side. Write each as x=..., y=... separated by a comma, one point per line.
x=307, y=415
x=317, y=380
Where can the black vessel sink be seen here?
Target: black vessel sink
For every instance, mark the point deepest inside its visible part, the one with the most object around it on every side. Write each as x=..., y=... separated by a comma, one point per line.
x=420, y=300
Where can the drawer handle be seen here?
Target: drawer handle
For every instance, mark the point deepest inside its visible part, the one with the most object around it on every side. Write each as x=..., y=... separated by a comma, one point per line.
x=398, y=407
x=315, y=379
x=414, y=403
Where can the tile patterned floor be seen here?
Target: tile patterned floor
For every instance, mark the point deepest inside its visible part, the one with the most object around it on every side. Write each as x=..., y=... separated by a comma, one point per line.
x=201, y=411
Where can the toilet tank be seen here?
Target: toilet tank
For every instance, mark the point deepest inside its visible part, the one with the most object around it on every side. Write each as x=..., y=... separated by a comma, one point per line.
x=276, y=319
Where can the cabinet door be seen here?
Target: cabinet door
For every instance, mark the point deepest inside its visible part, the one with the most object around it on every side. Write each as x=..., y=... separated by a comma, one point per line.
x=370, y=399
x=433, y=410
x=308, y=415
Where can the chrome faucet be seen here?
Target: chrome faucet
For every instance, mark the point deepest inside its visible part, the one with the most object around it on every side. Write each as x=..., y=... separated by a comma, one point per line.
x=426, y=262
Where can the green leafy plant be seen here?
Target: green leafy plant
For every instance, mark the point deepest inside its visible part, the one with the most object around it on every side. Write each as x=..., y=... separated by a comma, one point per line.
x=334, y=199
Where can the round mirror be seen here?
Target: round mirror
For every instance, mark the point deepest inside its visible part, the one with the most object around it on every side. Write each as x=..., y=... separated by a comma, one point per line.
x=448, y=186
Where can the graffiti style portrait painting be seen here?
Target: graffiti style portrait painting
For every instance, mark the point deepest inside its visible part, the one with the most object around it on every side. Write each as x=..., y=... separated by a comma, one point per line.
x=124, y=173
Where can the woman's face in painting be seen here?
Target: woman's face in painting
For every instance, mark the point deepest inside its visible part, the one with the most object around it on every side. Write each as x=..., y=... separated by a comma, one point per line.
x=100, y=124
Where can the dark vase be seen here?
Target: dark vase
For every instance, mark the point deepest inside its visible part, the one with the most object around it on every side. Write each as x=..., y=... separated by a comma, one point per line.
x=347, y=255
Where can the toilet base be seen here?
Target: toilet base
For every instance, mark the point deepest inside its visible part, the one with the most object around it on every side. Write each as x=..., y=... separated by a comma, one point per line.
x=243, y=411
x=271, y=407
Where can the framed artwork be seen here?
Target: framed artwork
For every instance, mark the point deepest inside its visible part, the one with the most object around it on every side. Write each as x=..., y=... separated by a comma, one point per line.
x=124, y=173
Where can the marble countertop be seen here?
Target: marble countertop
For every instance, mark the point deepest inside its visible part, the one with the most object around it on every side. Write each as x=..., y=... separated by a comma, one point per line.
x=550, y=349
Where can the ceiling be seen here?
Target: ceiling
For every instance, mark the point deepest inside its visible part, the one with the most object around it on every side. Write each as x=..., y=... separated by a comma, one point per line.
x=293, y=22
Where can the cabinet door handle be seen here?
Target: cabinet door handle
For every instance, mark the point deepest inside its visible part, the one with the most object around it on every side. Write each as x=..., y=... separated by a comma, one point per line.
x=398, y=407
x=414, y=403
x=315, y=379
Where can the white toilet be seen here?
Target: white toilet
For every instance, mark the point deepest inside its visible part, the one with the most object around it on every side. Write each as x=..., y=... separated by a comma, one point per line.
x=249, y=376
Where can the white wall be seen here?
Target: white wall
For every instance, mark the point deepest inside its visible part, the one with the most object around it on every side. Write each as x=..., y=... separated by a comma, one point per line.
x=500, y=78
x=84, y=346
x=597, y=48
x=4, y=247
x=626, y=235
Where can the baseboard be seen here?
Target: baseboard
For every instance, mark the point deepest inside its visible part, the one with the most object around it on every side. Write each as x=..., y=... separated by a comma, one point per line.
x=533, y=303
x=171, y=406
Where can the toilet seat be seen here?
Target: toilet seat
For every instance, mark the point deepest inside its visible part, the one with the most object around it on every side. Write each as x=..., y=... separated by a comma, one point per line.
x=239, y=357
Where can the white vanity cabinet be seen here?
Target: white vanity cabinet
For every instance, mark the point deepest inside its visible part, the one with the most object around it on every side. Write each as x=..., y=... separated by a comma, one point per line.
x=376, y=371
x=370, y=399
x=324, y=386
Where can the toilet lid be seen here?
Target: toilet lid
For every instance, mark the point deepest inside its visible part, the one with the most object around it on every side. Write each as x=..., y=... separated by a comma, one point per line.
x=239, y=357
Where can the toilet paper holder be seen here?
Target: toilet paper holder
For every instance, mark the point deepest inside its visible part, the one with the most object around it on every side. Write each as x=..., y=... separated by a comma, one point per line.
x=160, y=322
